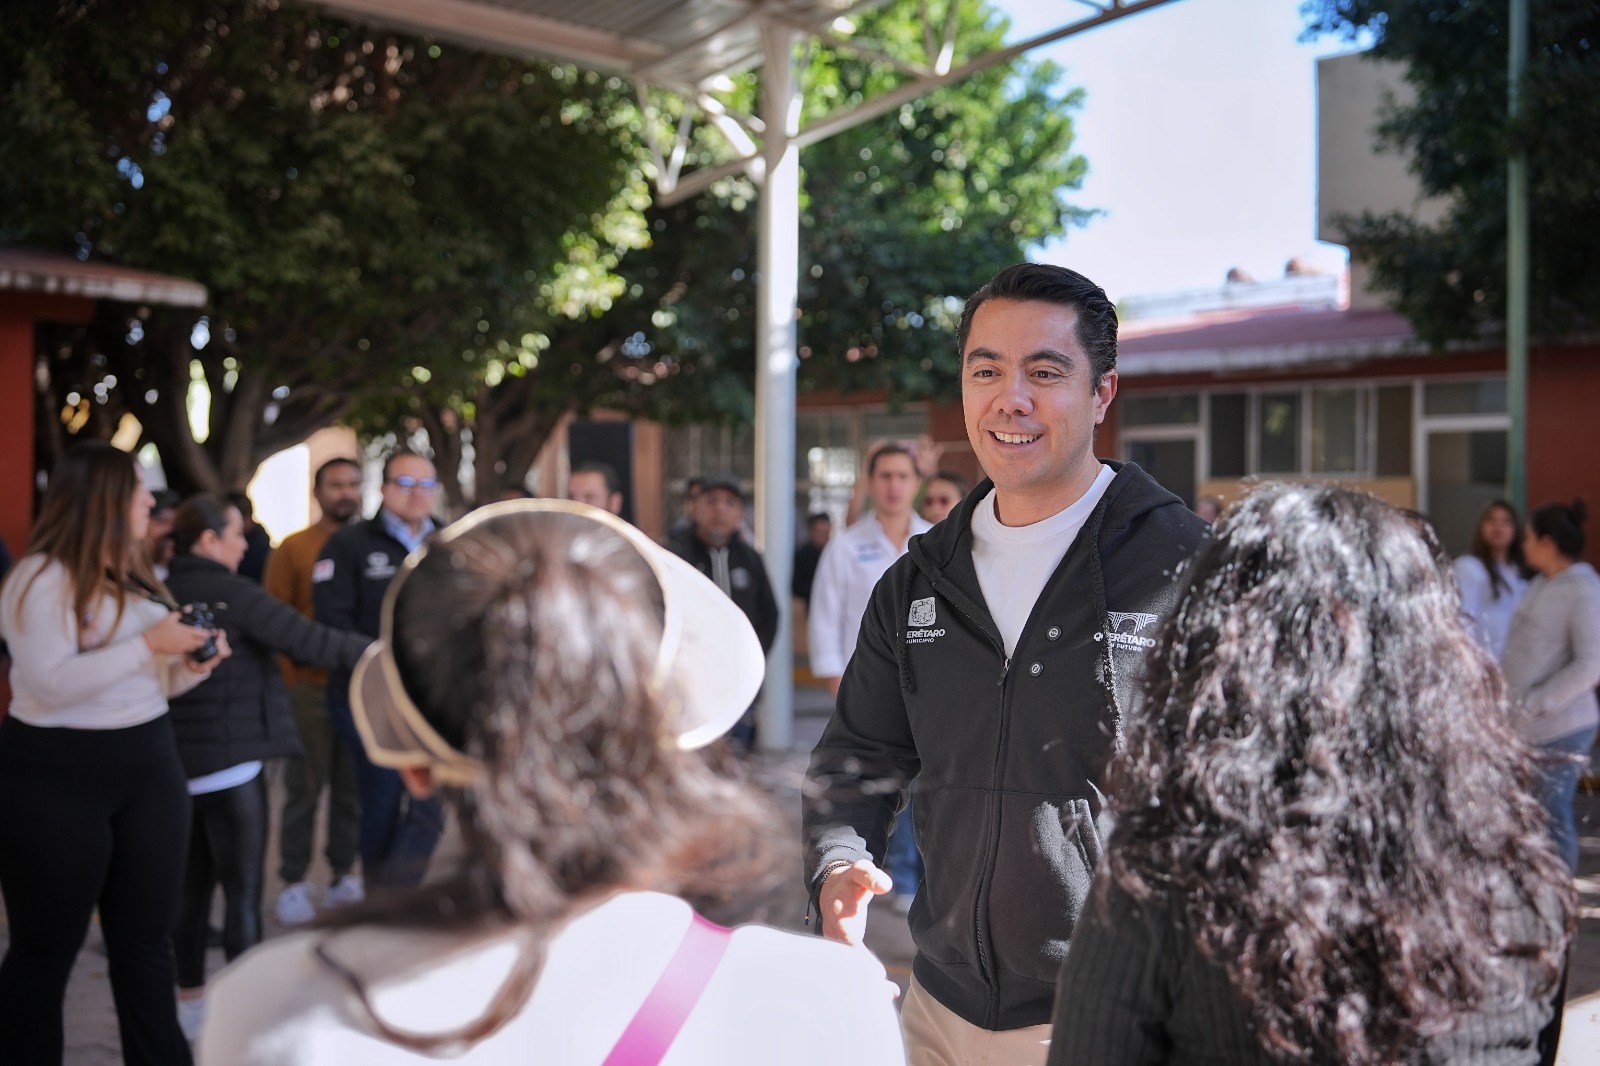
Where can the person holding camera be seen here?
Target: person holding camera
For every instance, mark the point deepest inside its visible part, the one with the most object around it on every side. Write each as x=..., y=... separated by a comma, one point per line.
x=226, y=727
x=93, y=809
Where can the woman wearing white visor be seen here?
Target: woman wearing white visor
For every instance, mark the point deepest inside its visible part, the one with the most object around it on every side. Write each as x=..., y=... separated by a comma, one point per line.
x=550, y=670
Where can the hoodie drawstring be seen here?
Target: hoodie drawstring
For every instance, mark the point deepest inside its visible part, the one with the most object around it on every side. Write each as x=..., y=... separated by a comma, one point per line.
x=1109, y=679
x=908, y=681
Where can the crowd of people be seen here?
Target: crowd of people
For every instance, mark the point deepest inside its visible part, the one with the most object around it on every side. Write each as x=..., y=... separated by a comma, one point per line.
x=1281, y=783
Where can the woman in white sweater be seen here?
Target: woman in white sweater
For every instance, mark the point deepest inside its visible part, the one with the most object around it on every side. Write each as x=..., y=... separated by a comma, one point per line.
x=549, y=668
x=1552, y=660
x=94, y=812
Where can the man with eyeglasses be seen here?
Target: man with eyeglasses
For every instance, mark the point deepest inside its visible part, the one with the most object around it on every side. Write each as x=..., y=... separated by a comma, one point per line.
x=398, y=833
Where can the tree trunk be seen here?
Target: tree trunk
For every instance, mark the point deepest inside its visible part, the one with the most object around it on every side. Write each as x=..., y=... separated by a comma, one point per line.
x=444, y=434
x=166, y=422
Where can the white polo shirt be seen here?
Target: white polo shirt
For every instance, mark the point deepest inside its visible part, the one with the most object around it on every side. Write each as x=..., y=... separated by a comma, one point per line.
x=850, y=567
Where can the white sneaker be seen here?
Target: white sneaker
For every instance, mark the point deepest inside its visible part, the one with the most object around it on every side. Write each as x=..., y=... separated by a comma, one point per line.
x=294, y=904
x=191, y=1016
x=347, y=889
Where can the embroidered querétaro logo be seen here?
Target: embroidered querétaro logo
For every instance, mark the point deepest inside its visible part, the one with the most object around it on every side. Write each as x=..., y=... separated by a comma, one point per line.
x=922, y=613
x=920, y=620
x=1126, y=627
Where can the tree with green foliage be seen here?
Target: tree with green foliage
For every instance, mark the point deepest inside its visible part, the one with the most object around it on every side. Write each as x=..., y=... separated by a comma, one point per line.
x=358, y=204
x=1449, y=277
x=407, y=236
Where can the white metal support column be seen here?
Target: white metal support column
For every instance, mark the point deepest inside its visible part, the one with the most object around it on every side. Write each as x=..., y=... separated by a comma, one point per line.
x=778, y=255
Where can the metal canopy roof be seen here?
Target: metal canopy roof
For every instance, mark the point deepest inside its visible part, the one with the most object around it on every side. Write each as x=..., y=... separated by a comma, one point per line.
x=679, y=44
x=690, y=47
x=23, y=270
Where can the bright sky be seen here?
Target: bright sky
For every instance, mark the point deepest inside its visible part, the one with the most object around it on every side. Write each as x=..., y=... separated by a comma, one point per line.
x=1200, y=131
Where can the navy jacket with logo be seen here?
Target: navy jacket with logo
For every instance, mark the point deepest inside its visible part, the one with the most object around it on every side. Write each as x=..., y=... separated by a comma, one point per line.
x=1009, y=756
x=350, y=578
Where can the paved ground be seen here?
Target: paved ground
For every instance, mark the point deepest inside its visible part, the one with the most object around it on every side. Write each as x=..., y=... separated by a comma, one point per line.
x=91, y=1024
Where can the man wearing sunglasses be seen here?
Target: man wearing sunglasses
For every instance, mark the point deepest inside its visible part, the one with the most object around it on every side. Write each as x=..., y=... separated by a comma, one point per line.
x=397, y=833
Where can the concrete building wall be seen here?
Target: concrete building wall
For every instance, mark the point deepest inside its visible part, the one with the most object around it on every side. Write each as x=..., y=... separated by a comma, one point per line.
x=1353, y=175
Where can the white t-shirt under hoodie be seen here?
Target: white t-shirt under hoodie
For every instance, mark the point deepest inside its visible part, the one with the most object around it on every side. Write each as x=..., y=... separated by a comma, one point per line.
x=62, y=674
x=1014, y=563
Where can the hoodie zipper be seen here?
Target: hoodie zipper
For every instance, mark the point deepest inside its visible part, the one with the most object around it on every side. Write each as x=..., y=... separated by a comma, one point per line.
x=991, y=1009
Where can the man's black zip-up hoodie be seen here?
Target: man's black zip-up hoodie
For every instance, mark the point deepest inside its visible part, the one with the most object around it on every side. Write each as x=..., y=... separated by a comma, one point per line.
x=1009, y=755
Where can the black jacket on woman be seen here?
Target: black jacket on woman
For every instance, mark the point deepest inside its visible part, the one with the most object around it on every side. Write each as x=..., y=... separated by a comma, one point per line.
x=242, y=712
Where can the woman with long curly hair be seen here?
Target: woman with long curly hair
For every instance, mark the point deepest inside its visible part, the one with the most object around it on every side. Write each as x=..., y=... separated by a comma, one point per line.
x=1326, y=848
x=94, y=814
x=552, y=670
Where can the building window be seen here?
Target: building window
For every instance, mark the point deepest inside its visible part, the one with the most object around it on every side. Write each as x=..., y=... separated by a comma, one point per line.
x=1278, y=433
x=1441, y=443
x=1338, y=417
x=1392, y=435
x=1162, y=409
x=1485, y=396
x=1230, y=434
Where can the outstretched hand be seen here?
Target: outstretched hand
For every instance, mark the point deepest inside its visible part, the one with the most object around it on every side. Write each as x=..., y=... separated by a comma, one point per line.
x=844, y=899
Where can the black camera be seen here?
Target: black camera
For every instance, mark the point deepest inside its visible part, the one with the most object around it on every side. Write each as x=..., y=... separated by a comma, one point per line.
x=200, y=616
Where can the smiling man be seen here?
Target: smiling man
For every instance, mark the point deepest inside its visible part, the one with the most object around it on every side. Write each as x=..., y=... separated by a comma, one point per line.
x=995, y=663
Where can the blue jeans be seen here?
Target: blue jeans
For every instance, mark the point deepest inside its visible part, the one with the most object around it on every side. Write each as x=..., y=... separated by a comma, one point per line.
x=1567, y=758
x=901, y=857
x=398, y=832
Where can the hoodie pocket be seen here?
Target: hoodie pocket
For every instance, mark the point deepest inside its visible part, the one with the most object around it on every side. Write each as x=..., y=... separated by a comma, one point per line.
x=949, y=826
x=1049, y=847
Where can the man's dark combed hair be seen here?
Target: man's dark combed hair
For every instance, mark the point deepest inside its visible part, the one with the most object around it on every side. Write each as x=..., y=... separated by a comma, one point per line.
x=339, y=460
x=608, y=472
x=1326, y=782
x=1044, y=283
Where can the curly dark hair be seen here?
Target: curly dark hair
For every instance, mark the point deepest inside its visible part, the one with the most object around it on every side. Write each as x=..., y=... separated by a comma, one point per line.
x=1325, y=778
x=529, y=643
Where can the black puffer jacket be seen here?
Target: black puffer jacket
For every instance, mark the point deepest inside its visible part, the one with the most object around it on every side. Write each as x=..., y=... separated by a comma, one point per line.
x=241, y=712
x=1008, y=755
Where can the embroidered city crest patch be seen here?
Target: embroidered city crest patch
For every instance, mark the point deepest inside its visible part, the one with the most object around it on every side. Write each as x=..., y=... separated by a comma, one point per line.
x=921, y=613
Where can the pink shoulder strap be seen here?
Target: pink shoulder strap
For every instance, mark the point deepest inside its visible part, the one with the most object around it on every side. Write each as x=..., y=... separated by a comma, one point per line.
x=660, y=1018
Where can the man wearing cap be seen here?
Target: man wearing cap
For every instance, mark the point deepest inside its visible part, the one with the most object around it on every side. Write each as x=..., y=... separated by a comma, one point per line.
x=715, y=547
x=397, y=833
x=996, y=662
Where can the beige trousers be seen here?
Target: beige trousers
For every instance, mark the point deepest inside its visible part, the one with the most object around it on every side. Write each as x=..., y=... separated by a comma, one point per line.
x=936, y=1036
